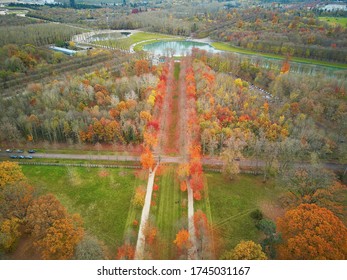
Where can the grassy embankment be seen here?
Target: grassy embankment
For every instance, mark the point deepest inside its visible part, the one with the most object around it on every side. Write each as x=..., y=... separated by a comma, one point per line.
x=101, y=196
x=124, y=44
x=169, y=211
x=229, y=48
x=228, y=205
x=335, y=20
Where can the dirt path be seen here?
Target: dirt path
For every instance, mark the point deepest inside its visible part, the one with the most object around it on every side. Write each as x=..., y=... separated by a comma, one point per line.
x=140, y=245
x=169, y=118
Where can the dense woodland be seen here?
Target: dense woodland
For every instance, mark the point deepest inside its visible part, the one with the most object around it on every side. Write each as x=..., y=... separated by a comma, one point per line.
x=97, y=107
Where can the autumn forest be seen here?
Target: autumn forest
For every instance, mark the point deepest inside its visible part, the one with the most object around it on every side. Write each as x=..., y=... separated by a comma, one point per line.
x=112, y=152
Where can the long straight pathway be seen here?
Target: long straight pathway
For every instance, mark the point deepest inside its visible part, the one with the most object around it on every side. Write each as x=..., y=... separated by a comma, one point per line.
x=140, y=245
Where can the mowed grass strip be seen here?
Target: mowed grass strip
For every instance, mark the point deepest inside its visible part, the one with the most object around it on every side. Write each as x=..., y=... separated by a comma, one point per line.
x=101, y=196
x=170, y=211
x=231, y=203
x=230, y=48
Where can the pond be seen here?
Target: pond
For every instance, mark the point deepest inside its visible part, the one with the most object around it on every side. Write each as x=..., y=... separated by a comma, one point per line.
x=177, y=48
x=107, y=36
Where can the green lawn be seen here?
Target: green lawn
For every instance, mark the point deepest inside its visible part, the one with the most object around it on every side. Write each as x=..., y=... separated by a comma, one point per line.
x=335, y=20
x=227, y=47
x=170, y=211
x=125, y=44
x=229, y=204
x=103, y=202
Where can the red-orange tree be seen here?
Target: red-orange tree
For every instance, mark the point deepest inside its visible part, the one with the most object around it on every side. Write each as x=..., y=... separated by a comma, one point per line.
x=310, y=232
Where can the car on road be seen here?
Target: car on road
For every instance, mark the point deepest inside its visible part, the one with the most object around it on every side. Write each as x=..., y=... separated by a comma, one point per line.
x=28, y=157
x=8, y=150
x=20, y=151
x=21, y=157
x=13, y=156
x=32, y=151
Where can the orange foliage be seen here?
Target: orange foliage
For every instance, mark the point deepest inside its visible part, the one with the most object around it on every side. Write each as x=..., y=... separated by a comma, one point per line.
x=150, y=232
x=113, y=112
x=144, y=115
x=197, y=195
x=126, y=252
x=183, y=186
x=141, y=67
x=310, y=232
x=150, y=139
x=182, y=239
x=183, y=171
x=147, y=159
x=285, y=66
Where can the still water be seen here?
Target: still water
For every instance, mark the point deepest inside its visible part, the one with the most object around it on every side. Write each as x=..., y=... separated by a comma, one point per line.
x=177, y=48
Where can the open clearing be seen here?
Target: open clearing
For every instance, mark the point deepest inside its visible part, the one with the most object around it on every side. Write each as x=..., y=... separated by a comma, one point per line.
x=102, y=197
x=230, y=203
x=335, y=20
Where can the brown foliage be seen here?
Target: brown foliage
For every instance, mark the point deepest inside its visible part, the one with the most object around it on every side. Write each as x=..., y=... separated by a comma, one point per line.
x=15, y=199
x=61, y=239
x=42, y=213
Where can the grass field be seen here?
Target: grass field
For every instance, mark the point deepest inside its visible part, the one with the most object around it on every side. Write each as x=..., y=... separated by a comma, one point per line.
x=227, y=47
x=335, y=20
x=103, y=200
x=125, y=44
x=229, y=204
x=170, y=211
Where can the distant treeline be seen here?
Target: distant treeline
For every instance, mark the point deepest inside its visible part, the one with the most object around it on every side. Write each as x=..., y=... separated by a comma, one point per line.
x=61, y=5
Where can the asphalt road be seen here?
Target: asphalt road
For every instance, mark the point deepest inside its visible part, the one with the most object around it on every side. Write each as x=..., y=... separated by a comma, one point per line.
x=166, y=159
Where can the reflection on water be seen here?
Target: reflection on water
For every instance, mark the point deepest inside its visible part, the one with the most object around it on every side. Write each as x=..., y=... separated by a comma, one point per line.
x=107, y=36
x=177, y=48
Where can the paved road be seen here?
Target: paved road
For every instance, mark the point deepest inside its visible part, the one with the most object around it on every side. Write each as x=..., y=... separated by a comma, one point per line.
x=169, y=159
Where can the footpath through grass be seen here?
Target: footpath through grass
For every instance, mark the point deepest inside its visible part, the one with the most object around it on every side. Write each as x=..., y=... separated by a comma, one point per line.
x=230, y=204
x=169, y=211
x=226, y=47
x=101, y=196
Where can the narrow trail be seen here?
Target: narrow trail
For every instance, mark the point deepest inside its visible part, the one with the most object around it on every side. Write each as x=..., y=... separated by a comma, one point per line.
x=140, y=244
